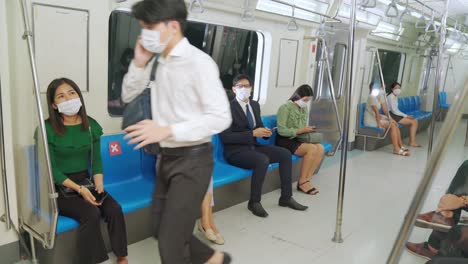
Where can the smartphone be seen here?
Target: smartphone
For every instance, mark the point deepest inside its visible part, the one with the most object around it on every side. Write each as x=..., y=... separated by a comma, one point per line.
x=274, y=129
x=100, y=197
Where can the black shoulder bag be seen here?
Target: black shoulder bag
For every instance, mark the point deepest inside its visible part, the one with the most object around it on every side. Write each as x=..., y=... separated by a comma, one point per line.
x=140, y=109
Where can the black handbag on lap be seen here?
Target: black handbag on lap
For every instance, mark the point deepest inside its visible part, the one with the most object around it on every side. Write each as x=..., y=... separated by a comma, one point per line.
x=139, y=109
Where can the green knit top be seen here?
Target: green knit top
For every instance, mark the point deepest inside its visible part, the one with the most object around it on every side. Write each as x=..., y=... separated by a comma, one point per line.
x=71, y=152
x=290, y=119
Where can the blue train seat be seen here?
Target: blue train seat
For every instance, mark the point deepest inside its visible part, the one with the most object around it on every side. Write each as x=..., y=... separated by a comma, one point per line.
x=443, y=100
x=128, y=177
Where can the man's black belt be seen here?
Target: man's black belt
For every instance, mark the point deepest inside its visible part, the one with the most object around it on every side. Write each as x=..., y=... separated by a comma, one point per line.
x=186, y=151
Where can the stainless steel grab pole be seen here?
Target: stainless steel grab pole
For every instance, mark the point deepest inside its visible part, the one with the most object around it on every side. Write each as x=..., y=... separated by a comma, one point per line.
x=344, y=143
x=451, y=123
x=52, y=194
x=446, y=133
x=438, y=77
x=3, y=171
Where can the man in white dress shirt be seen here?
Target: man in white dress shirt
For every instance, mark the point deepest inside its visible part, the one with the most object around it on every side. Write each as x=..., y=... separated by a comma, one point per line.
x=188, y=106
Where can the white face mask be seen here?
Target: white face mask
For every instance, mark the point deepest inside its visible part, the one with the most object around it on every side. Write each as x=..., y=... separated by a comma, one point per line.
x=376, y=92
x=151, y=41
x=70, y=107
x=243, y=93
x=397, y=91
x=301, y=103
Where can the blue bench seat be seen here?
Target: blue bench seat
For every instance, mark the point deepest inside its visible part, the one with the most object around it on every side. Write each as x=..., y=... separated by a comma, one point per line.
x=129, y=174
x=409, y=105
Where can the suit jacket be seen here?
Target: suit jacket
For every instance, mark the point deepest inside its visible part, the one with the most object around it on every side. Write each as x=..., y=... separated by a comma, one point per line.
x=239, y=137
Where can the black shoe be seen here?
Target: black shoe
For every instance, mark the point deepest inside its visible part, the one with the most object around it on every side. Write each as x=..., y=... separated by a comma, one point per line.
x=291, y=203
x=227, y=258
x=257, y=209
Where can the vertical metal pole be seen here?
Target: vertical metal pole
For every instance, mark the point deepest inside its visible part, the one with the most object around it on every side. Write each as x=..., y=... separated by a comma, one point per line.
x=453, y=118
x=435, y=103
x=446, y=133
x=52, y=194
x=344, y=143
x=6, y=216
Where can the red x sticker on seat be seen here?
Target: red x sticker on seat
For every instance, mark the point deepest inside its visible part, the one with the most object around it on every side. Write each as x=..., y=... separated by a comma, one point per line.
x=114, y=148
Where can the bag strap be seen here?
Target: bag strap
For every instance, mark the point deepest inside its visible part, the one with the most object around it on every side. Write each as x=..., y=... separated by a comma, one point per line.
x=153, y=71
x=154, y=68
x=92, y=152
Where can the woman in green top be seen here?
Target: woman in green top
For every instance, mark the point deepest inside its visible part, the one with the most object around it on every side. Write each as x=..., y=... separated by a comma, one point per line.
x=292, y=121
x=74, y=146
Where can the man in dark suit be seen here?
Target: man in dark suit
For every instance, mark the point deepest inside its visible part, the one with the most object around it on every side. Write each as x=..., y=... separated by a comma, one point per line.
x=242, y=150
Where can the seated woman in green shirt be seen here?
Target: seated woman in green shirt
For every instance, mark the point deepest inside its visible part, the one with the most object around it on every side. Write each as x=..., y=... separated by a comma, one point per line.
x=74, y=146
x=293, y=118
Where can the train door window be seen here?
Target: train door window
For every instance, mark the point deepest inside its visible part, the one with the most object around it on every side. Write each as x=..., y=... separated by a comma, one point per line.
x=338, y=68
x=337, y=60
x=393, y=65
x=235, y=51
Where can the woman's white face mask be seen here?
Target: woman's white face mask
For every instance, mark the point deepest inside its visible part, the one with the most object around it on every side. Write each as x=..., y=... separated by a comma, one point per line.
x=70, y=107
x=301, y=103
x=397, y=91
x=151, y=41
x=243, y=93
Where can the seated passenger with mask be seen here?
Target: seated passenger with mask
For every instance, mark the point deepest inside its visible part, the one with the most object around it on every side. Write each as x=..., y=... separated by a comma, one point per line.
x=242, y=150
x=407, y=120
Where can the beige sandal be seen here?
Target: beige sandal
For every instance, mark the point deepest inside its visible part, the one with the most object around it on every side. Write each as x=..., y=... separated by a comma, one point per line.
x=209, y=233
x=402, y=152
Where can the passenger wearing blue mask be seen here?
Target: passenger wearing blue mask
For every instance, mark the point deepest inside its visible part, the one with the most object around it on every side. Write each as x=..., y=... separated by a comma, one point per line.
x=299, y=138
x=242, y=150
x=74, y=147
x=372, y=117
x=400, y=117
x=188, y=106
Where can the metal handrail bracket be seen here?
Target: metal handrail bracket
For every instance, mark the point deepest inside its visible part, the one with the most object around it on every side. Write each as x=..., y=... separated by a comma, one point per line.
x=49, y=241
x=331, y=86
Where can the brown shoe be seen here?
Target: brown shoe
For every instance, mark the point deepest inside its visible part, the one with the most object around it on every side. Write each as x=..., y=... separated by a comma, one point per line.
x=420, y=249
x=434, y=221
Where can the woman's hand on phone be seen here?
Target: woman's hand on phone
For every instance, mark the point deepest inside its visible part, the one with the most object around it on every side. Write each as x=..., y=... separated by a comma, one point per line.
x=99, y=183
x=88, y=196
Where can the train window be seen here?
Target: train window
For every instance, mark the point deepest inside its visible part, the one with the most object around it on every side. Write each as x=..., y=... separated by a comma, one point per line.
x=235, y=51
x=393, y=65
x=337, y=67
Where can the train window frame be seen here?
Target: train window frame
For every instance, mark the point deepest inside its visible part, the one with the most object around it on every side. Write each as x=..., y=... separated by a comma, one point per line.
x=321, y=90
x=260, y=70
x=401, y=66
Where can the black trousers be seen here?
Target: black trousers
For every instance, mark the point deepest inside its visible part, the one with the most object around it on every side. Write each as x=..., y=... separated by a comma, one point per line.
x=181, y=184
x=258, y=160
x=458, y=186
x=90, y=244
x=447, y=261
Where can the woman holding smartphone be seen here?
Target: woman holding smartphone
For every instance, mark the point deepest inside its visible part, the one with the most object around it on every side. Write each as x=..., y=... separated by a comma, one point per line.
x=74, y=148
x=295, y=135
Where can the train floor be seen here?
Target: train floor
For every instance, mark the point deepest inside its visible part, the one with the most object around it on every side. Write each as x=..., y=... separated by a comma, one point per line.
x=379, y=189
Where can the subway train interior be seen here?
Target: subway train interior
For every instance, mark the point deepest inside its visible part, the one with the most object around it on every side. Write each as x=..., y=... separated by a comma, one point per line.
x=369, y=195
